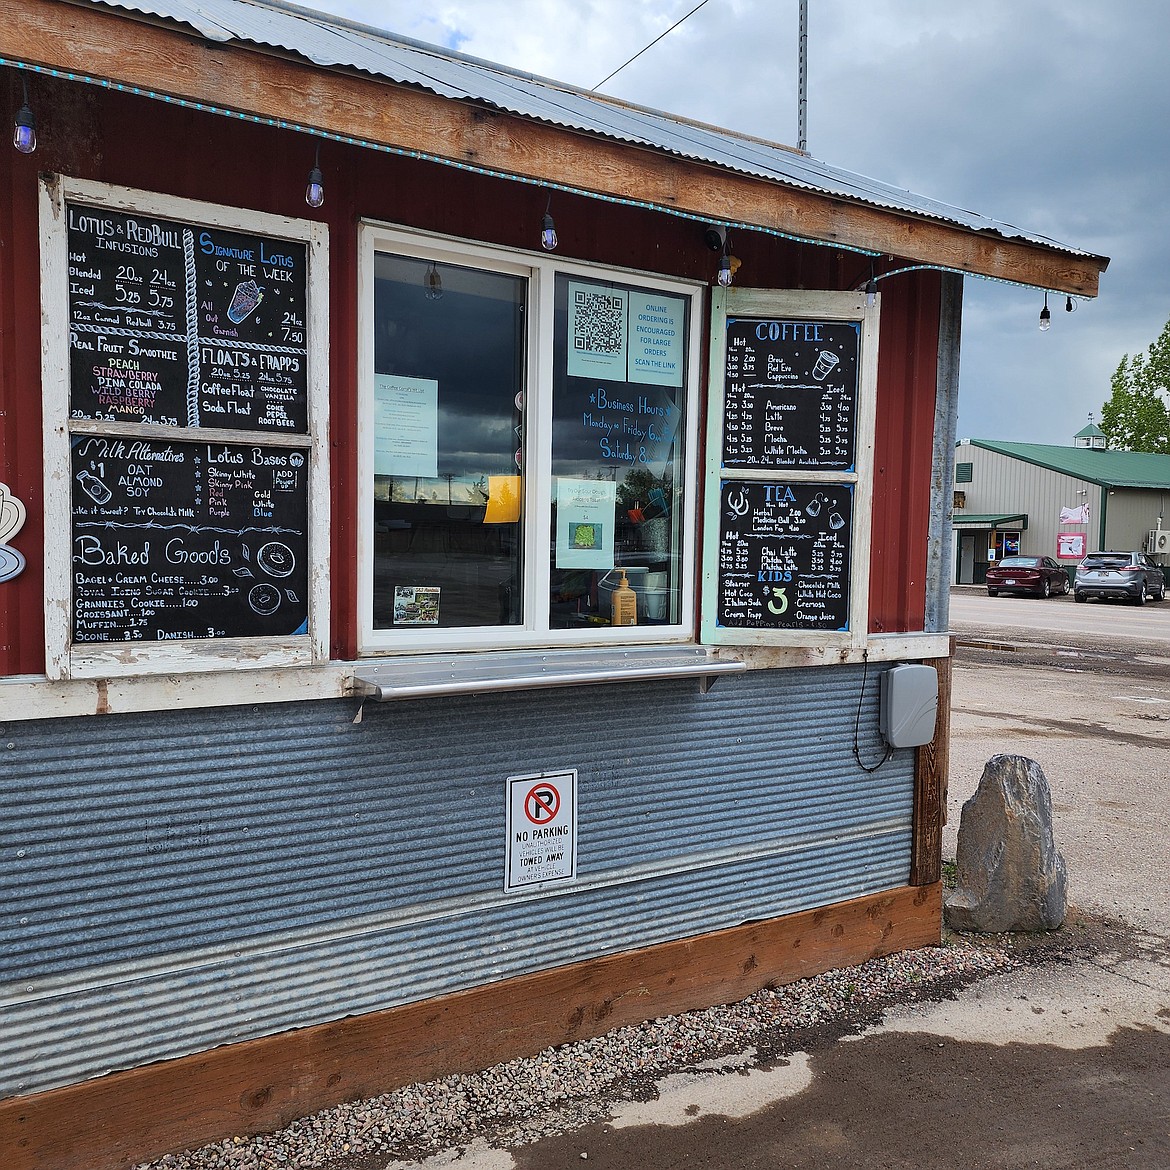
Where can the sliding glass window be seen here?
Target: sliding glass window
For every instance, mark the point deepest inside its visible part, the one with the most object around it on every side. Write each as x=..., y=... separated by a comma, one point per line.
x=527, y=450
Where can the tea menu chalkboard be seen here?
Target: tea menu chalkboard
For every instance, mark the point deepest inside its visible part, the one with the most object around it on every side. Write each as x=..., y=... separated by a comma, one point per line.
x=790, y=394
x=178, y=540
x=184, y=325
x=784, y=555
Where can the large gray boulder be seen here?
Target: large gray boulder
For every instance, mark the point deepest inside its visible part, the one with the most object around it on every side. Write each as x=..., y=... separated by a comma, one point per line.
x=1010, y=875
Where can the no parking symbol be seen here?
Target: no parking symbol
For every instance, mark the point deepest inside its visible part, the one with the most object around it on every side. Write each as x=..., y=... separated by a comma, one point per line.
x=541, y=829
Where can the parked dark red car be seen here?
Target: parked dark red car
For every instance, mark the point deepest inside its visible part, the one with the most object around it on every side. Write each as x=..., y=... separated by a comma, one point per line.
x=1039, y=575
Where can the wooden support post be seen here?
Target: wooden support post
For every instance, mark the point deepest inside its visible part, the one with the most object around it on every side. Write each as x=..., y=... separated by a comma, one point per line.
x=932, y=762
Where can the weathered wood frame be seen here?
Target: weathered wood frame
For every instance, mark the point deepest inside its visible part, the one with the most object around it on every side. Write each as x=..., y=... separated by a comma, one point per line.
x=795, y=306
x=65, y=659
x=143, y=53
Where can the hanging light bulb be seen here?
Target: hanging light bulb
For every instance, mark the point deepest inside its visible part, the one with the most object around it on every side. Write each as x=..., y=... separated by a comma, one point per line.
x=1070, y=306
x=315, y=191
x=24, y=133
x=433, y=283
x=726, y=272
x=1045, y=316
x=548, y=229
x=548, y=233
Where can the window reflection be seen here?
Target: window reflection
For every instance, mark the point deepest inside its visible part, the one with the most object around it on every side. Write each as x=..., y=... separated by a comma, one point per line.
x=449, y=355
x=619, y=372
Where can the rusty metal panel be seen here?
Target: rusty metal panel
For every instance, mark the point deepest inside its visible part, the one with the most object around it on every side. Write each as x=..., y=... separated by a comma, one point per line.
x=161, y=875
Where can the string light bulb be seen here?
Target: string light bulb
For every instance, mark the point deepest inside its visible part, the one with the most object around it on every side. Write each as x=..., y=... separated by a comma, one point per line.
x=1045, y=316
x=1070, y=306
x=726, y=272
x=870, y=292
x=548, y=229
x=433, y=283
x=24, y=132
x=315, y=190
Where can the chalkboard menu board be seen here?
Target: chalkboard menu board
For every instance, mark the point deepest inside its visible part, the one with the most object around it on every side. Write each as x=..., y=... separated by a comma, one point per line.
x=184, y=325
x=179, y=539
x=784, y=555
x=790, y=394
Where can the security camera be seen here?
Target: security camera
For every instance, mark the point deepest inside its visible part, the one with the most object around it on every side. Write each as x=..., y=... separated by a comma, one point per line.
x=715, y=236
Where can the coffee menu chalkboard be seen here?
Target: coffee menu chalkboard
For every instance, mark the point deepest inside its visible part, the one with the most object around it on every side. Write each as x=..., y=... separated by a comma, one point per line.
x=784, y=555
x=184, y=325
x=176, y=540
x=790, y=394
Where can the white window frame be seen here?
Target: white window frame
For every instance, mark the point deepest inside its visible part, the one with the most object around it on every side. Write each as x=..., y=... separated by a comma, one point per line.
x=540, y=270
x=65, y=659
x=798, y=306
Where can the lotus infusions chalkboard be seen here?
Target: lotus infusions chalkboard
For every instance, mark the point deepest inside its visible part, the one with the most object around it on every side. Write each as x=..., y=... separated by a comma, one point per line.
x=179, y=331
x=784, y=555
x=790, y=394
x=184, y=325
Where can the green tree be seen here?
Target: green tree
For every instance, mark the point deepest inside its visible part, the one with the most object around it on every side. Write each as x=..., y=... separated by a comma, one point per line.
x=1136, y=417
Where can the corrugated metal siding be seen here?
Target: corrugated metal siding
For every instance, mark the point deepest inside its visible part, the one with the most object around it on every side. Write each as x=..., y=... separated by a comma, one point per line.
x=176, y=882
x=330, y=42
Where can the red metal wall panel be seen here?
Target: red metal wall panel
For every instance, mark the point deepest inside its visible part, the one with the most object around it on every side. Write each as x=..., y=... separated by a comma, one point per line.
x=903, y=446
x=91, y=133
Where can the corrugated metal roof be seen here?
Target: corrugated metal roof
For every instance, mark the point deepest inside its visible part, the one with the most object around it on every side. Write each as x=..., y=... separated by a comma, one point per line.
x=1135, y=469
x=332, y=43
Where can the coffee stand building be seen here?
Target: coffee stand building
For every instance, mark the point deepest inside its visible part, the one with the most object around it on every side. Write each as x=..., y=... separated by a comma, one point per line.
x=326, y=768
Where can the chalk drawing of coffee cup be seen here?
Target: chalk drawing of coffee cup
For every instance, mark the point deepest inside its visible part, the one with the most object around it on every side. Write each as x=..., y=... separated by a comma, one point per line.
x=836, y=520
x=247, y=296
x=826, y=363
x=276, y=559
x=264, y=599
x=814, y=506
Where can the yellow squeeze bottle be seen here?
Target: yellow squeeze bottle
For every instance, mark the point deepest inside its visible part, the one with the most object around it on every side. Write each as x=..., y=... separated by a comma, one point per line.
x=625, y=604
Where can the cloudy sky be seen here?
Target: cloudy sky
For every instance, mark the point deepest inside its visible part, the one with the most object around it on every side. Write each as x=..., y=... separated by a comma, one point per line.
x=1053, y=115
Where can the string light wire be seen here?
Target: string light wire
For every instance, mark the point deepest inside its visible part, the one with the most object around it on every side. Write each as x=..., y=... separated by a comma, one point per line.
x=426, y=156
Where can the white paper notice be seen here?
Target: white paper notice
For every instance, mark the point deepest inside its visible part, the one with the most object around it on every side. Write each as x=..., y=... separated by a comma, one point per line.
x=406, y=426
x=598, y=321
x=585, y=523
x=656, y=339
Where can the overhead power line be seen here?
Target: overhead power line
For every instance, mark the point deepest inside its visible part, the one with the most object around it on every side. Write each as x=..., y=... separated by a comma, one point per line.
x=649, y=46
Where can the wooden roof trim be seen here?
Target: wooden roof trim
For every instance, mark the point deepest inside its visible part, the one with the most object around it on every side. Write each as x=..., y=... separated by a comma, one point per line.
x=116, y=46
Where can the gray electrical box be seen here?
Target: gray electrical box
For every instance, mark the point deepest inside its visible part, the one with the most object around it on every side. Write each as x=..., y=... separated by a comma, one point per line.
x=909, y=705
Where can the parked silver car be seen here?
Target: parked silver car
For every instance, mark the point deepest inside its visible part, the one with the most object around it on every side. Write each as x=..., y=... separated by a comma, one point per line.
x=1130, y=575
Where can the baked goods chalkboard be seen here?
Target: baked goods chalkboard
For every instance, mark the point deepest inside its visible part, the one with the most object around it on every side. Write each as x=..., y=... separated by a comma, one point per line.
x=178, y=539
x=790, y=394
x=184, y=325
x=783, y=561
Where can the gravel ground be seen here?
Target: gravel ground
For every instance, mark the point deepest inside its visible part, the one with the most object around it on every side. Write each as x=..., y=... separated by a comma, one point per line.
x=561, y=1088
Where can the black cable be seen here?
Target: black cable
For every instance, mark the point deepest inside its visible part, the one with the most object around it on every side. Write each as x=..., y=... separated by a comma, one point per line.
x=649, y=46
x=857, y=722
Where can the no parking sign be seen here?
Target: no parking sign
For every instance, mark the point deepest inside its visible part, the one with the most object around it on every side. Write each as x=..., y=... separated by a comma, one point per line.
x=541, y=828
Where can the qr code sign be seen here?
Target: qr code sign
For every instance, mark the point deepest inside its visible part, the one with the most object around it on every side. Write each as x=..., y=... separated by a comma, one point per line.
x=599, y=323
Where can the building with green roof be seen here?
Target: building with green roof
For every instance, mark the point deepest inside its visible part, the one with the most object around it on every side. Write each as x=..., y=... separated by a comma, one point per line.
x=1044, y=500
